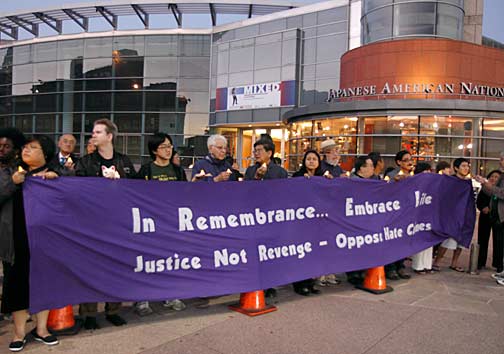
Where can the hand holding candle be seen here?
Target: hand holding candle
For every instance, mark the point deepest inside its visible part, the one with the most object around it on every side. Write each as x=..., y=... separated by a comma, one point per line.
x=18, y=177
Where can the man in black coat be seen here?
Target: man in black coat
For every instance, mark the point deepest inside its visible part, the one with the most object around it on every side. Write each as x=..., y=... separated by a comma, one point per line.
x=65, y=160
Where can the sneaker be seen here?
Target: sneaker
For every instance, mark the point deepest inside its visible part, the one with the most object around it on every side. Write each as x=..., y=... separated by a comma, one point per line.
x=497, y=276
x=47, y=340
x=331, y=280
x=17, y=346
x=500, y=281
x=90, y=323
x=142, y=308
x=176, y=304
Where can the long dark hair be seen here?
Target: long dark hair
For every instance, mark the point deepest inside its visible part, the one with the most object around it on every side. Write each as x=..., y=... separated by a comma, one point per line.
x=318, y=170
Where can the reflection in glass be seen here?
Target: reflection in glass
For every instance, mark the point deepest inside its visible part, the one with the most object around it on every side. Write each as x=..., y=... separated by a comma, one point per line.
x=129, y=45
x=415, y=18
x=24, y=123
x=377, y=25
x=128, y=122
x=98, y=101
x=96, y=68
x=160, y=101
x=128, y=101
x=98, y=47
x=45, y=103
x=161, y=67
x=128, y=66
x=71, y=49
x=22, y=54
x=45, y=52
x=165, y=45
x=45, y=123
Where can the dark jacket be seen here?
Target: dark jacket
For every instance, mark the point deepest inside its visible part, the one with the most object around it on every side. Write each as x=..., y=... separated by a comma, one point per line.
x=212, y=166
x=335, y=171
x=498, y=192
x=56, y=165
x=146, y=172
x=90, y=166
x=7, y=189
x=274, y=171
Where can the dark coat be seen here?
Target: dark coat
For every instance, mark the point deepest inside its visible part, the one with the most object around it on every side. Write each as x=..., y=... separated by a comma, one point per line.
x=274, y=171
x=90, y=166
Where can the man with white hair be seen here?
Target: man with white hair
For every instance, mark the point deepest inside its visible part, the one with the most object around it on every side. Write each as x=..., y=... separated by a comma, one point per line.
x=331, y=156
x=214, y=167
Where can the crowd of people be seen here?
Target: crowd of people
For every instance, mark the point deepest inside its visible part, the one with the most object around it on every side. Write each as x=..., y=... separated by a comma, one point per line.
x=21, y=157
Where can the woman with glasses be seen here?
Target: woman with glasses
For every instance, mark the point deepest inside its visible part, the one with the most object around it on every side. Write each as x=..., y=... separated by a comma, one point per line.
x=36, y=153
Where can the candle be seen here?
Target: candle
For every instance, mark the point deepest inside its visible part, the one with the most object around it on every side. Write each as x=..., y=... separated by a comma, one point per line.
x=412, y=173
x=468, y=176
x=400, y=172
x=69, y=160
x=20, y=169
x=387, y=178
x=228, y=171
x=240, y=179
x=264, y=165
x=440, y=172
x=326, y=173
x=347, y=173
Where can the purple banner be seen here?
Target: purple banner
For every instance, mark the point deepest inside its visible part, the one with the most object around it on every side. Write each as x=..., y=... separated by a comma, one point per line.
x=93, y=239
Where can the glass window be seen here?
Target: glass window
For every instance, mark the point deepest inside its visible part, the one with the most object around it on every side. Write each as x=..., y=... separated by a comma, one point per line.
x=6, y=57
x=160, y=84
x=45, y=123
x=69, y=69
x=192, y=102
x=404, y=127
x=128, y=122
x=129, y=45
x=449, y=21
x=24, y=123
x=5, y=122
x=372, y=4
x=128, y=66
x=161, y=67
x=24, y=89
x=445, y=136
x=332, y=28
x=377, y=25
x=289, y=51
x=90, y=118
x=98, y=101
x=246, y=32
x=326, y=70
x=128, y=84
x=194, y=45
x=95, y=68
x=45, y=103
x=195, y=67
x=492, y=143
x=44, y=72
x=98, y=47
x=45, y=51
x=323, y=87
x=241, y=59
x=415, y=18
x=128, y=101
x=222, y=62
x=22, y=54
x=161, y=45
x=22, y=74
x=243, y=78
x=98, y=85
x=222, y=81
x=5, y=105
x=70, y=49
x=267, y=75
x=193, y=85
x=160, y=101
x=332, y=15
x=309, y=51
x=308, y=93
x=288, y=72
x=331, y=47
x=308, y=72
x=268, y=55
x=273, y=26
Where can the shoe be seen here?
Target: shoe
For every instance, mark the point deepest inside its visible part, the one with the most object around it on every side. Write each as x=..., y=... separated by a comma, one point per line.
x=302, y=291
x=457, y=269
x=315, y=291
x=142, y=308
x=17, y=346
x=47, y=340
x=90, y=323
x=436, y=268
x=176, y=304
x=498, y=276
x=500, y=282
x=420, y=272
x=116, y=320
x=392, y=275
x=270, y=292
x=429, y=271
x=402, y=274
x=331, y=280
x=203, y=303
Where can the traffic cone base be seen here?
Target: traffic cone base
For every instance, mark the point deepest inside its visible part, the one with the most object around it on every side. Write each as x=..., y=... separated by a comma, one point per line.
x=252, y=304
x=61, y=321
x=375, y=281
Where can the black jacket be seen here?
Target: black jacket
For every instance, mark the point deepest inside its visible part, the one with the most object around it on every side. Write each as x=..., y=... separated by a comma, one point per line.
x=273, y=172
x=90, y=166
x=61, y=170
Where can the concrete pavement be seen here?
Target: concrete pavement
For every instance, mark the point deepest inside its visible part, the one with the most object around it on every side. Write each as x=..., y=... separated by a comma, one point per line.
x=446, y=312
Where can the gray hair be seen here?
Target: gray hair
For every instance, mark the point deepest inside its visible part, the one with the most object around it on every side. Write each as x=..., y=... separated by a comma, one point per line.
x=213, y=139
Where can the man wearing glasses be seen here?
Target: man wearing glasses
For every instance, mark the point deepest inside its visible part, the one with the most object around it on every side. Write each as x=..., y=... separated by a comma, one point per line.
x=214, y=167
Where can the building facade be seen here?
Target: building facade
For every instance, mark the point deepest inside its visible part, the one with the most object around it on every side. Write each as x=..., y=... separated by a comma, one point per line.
x=377, y=75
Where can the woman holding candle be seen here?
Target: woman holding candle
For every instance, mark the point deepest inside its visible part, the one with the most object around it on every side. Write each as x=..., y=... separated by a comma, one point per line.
x=15, y=298
x=312, y=167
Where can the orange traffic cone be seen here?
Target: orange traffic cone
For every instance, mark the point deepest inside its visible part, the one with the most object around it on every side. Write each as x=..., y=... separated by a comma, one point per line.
x=61, y=321
x=252, y=304
x=375, y=282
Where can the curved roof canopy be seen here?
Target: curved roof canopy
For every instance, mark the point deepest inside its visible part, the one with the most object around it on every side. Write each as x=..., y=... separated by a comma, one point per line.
x=112, y=10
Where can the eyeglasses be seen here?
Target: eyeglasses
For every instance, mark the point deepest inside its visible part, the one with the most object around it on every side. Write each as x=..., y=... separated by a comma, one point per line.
x=219, y=147
x=166, y=147
x=31, y=147
x=257, y=151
